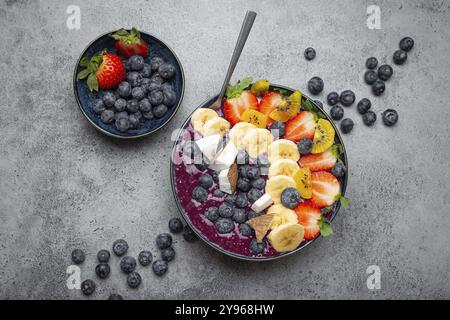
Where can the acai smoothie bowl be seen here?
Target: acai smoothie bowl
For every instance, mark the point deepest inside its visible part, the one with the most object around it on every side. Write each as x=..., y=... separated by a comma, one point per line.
x=263, y=176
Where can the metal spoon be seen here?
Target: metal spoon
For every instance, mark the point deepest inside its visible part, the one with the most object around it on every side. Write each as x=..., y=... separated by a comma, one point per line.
x=243, y=35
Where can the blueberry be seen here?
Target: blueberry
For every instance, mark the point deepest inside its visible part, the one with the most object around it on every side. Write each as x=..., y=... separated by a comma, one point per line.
x=109, y=98
x=175, y=225
x=347, y=125
x=385, y=72
x=243, y=170
x=148, y=115
x=253, y=173
x=132, y=105
x=133, y=119
x=370, y=77
x=364, y=105
x=124, y=89
x=371, y=63
x=309, y=53
x=170, y=98
x=156, y=97
x=278, y=129
x=138, y=93
x=103, y=256
x=390, y=117
x=126, y=63
x=166, y=70
x=134, y=280
x=99, y=106
x=128, y=264
x=122, y=124
x=199, y=194
x=154, y=86
x=206, y=181
x=189, y=234
x=406, y=44
x=138, y=115
x=253, y=214
x=159, y=111
x=218, y=193
x=224, y=225
x=120, y=105
x=78, y=256
x=241, y=200
x=243, y=184
x=88, y=287
x=254, y=194
x=230, y=199
x=102, y=270
x=134, y=78
x=304, y=146
x=136, y=63
x=245, y=229
x=315, y=85
x=201, y=165
x=347, y=98
x=332, y=98
x=337, y=112
x=120, y=115
x=156, y=78
x=164, y=240
x=378, y=88
x=120, y=247
x=155, y=63
x=107, y=116
x=290, y=198
x=257, y=247
x=212, y=213
x=160, y=267
x=168, y=254
x=145, y=258
x=166, y=86
x=145, y=85
x=259, y=183
x=400, y=57
x=369, y=118
x=225, y=210
x=239, y=215
x=146, y=71
x=115, y=296
x=338, y=170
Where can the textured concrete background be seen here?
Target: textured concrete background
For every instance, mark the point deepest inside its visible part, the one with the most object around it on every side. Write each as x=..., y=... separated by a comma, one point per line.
x=63, y=185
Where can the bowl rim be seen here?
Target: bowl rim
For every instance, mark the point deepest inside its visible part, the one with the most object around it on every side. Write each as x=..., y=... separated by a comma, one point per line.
x=217, y=247
x=175, y=110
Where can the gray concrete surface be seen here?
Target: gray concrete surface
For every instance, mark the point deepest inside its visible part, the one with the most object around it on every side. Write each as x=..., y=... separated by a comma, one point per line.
x=63, y=185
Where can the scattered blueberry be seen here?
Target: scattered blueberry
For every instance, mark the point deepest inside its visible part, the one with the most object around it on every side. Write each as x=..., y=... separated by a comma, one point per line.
x=109, y=98
x=305, y=146
x=146, y=71
x=124, y=89
x=243, y=170
x=347, y=98
x=315, y=85
x=378, y=88
x=254, y=194
x=338, y=170
x=166, y=70
x=115, y=296
x=225, y=210
x=371, y=63
x=337, y=112
x=224, y=225
x=278, y=129
x=134, y=79
x=156, y=97
x=332, y=98
x=257, y=247
x=145, y=258
x=241, y=200
x=243, y=184
x=309, y=53
x=160, y=267
x=136, y=63
x=390, y=117
x=133, y=119
x=364, y=105
x=400, y=57
x=103, y=256
x=155, y=63
x=189, y=234
x=168, y=254
x=128, y=264
x=230, y=199
x=170, y=97
x=212, y=213
x=88, y=287
x=290, y=198
x=122, y=124
x=385, y=72
x=206, y=180
x=218, y=193
x=120, y=247
x=239, y=215
x=78, y=256
x=259, y=183
x=175, y=225
x=199, y=194
x=347, y=125
x=102, y=270
x=134, y=280
x=138, y=93
x=131, y=105
x=164, y=240
x=245, y=229
x=120, y=105
x=406, y=44
x=370, y=77
x=253, y=173
x=159, y=111
x=369, y=118
x=98, y=106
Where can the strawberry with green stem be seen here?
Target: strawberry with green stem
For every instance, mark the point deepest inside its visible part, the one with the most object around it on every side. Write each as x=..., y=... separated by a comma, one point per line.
x=239, y=99
x=129, y=43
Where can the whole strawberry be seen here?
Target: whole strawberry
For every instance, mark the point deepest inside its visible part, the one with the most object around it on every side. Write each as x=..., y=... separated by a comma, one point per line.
x=130, y=43
x=103, y=71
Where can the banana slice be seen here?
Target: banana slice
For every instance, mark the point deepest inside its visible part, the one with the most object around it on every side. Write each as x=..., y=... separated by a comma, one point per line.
x=216, y=125
x=238, y=132
x=285, y=167
x=283, y=149
x=286, y=237
x=257, y=141
x=200, y=116
x=281, y=215
x=277, y=184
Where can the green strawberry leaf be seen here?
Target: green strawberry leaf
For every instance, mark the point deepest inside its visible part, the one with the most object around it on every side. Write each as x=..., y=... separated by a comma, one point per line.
x=83, y=74
x=92, y=82
x=84, y=61
x=345, y=202
x=326, y=210
x=326, y=229
x=234, y=91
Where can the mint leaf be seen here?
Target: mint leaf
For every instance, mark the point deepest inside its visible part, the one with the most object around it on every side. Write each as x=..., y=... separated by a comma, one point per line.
x=92, y=82
x=326, y=229
x=244, y=83
x=326, y=210
x=84, y=61
x=345, y=202
x=282, y=91
x=234, y=91
x=83, y=74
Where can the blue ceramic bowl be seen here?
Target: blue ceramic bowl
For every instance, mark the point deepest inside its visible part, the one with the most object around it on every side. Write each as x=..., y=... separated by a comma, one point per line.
x=85, y=98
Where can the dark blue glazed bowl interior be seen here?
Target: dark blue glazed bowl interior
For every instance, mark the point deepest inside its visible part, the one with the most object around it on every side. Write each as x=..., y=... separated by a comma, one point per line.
x=86, y=99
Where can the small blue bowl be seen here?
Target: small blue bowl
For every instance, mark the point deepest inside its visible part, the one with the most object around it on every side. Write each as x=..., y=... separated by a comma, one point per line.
x=85, y=98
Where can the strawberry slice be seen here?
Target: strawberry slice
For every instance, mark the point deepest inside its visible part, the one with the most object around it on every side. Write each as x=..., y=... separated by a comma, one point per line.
x=269, y=102
x=238, y=100
x=320, y=162
x=308, y=216
x=325, y=188
x=301, y=126
x=130, y=43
